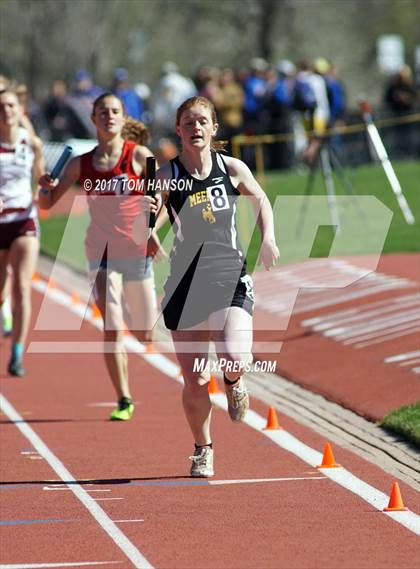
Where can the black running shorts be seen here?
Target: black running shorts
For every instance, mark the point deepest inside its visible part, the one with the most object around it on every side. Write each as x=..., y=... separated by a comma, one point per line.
x=190, y=305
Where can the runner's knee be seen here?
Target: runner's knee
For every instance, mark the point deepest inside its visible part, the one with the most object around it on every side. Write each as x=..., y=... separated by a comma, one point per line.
x=21, y=288
x=195, y=381
x=115, y=338
x=144, y=335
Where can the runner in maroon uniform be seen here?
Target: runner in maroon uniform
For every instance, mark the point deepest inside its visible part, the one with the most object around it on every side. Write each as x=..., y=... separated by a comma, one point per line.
x=21, y=161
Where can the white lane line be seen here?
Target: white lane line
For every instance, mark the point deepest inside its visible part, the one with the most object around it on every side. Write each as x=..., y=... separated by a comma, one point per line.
x=103, y=499
x=386, y=338
x=381, y=333
x=320, y=323
x=337, y=315
x=341, y=476
x=42, y=565
x=126, y=521
x=402, y=357
x=282, y=438
x=327, y=275
x=410, y=362
x=130, y=551
x=344, y=332
x=331, y=298
x=258, y=480
x=67, y=488
x=362, y=314
x=288, y=442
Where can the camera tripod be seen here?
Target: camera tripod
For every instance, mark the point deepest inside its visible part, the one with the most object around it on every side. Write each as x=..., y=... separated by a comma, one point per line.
x=327, y=158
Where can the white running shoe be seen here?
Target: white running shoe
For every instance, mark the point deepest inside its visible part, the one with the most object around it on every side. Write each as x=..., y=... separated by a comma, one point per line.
x=238, y=400
x=202, y=463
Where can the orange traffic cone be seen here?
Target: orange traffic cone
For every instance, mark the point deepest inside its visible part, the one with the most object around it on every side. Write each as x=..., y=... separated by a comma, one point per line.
x=150, y=349
x=272, y=421
x=395, y=501
x=328, y=460
x=52, y=284
x=43, y=214
x=96, y=313
x=75, y=298
x=213, y=387
x=36, y=277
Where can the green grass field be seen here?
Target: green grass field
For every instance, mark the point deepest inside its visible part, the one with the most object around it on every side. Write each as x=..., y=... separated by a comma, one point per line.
x=372, y=222
x=405, y=422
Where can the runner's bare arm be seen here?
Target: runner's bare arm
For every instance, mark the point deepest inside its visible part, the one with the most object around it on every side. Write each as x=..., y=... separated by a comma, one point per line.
x=56, y=189
x=154, y=247
x=140, y=154
x=164, y=173
x=26, y=123
x=247, y=185
x=38, y=167
x=161, y=219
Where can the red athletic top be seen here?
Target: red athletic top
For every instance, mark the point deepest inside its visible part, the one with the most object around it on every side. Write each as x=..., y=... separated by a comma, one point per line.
x=117, y=220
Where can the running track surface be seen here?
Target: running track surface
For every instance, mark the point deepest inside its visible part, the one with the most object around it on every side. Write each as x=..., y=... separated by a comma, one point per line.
x=360, y=342
x=382, y=338
x=137, y=473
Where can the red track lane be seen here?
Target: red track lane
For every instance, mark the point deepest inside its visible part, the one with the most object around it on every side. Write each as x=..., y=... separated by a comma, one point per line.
x=372, y=388
x=289, y=524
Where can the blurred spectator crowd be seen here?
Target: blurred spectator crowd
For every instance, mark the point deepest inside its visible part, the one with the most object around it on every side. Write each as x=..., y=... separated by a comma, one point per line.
x=262, y=99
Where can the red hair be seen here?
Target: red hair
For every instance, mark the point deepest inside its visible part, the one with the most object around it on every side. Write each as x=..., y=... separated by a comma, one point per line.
x=206, y=103
x=136, y=131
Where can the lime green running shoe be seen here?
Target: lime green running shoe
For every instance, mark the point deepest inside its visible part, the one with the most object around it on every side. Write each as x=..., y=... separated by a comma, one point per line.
x=7, y=322
x=124, y=411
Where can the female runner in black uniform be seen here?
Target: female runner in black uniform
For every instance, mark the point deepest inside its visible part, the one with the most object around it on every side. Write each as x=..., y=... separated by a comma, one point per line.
x=208, y=295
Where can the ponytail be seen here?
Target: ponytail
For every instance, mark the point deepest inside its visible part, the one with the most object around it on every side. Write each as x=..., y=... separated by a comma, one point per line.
x=136, y=131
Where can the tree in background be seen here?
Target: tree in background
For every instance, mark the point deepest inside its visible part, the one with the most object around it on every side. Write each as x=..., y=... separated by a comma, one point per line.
x=44, y=40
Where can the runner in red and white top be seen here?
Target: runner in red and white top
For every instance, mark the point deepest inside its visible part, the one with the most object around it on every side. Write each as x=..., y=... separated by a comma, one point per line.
x=21, y=161
x=16, y=178
x=113, y=221
x=116, y=241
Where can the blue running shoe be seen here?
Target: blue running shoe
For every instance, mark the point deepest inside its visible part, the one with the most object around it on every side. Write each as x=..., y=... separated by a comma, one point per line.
x=15, y=368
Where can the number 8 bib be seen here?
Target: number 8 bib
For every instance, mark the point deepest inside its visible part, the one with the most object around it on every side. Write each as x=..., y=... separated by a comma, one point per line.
x=218, y=197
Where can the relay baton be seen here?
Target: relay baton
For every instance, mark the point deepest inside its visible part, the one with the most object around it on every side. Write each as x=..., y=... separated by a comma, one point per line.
x=150, y=177
x=59, y=165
